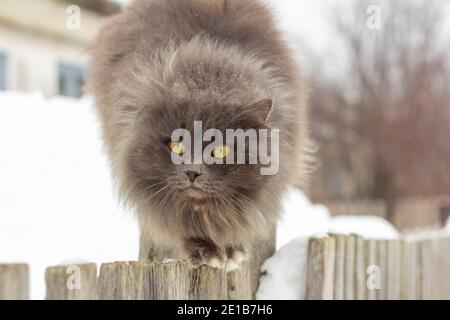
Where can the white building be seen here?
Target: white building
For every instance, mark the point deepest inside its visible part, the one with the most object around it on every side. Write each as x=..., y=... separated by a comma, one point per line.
x=43, y=43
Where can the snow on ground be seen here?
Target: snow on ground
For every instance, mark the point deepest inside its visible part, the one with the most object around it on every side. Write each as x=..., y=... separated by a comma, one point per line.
x=284, y=274
x=300, y=218
x=57, y=205
x=56, y=202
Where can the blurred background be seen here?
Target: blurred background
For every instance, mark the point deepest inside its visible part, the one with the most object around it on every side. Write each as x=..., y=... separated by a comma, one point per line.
x=379, y=73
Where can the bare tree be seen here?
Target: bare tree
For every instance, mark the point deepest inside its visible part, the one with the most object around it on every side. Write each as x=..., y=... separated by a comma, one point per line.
x=384, y=124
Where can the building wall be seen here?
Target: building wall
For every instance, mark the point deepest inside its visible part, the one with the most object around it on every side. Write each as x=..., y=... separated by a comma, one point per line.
x=35, y=37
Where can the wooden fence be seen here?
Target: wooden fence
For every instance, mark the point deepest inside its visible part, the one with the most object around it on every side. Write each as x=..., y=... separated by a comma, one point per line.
x=146, y=281
x=339, y=267
x=353, y=268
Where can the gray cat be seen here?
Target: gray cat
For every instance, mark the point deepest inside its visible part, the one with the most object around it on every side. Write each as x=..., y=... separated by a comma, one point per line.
x=160, y=66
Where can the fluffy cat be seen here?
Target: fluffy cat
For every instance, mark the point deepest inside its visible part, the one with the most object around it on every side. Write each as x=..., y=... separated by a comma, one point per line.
x=163, y=64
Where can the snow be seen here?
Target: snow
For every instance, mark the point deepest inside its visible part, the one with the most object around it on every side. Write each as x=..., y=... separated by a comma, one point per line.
x=300, y=218
x=56, y=201
x=284, y=274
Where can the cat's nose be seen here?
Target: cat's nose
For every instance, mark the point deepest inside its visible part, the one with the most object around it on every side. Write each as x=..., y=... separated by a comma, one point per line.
x=192, y=175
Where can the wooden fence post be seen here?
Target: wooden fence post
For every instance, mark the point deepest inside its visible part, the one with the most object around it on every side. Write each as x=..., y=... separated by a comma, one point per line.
x=382, y=262
x=122, y=281
x=350, y=268
x=438, y=276
x=360, y=269
x=258, y=254
x=75, y=282
x=426, y=257
x=339, y=267
x=14, y=282
x=409, y=269
x=444, y=267
x=320, y=268
x=370, y=248
x=239, y=283
x=447, y=267
x=206, y=283
x=394, y=272
x=167, y=281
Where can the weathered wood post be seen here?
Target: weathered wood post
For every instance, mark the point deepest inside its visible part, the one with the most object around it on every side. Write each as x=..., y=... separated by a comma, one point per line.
x=409, y=267
x=350, y=268
x=239, y=283
x=382, y=262
x=14, y=282
x=446, y=249
x=439, y=276
x=166, y=281
x=122, y=281
x=426, y=260
x=360, y=269
x=206, y=283
x=71, y=282
x=394, y=253
x=339, y=267
x=320, y=268
x=251, y=269
x=372, y=281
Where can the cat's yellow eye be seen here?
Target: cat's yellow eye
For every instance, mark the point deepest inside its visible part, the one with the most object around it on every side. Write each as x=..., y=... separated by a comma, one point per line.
x=221, y=152
x=177, y=147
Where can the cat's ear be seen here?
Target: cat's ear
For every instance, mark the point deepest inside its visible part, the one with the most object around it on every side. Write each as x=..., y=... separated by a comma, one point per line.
x=262, y=109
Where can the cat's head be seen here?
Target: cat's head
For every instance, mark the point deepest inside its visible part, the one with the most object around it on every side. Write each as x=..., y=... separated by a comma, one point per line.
x=163, y=169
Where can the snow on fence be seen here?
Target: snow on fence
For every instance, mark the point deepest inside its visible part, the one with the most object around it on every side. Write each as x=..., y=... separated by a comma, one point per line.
x=339, y=267
x=353, y=268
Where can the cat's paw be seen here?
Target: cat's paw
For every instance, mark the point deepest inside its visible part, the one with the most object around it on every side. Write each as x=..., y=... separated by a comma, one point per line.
x=208, y=255
x=235, y=258
x=199, y=258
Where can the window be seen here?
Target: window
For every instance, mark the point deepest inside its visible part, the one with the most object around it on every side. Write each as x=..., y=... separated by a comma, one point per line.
x=71, y=79
x=3, y=66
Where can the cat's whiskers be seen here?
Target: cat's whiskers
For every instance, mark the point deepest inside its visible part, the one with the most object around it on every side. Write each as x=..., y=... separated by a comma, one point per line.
x=250, y=202
x=163, y=201
x=155, y=194
x=153, y=185
x=230, y=213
